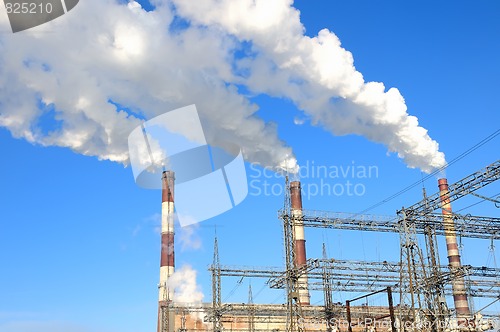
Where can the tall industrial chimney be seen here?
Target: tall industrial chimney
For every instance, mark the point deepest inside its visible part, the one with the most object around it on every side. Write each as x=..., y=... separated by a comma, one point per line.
x=167, y=246
x=300, y=242
x=458, y=283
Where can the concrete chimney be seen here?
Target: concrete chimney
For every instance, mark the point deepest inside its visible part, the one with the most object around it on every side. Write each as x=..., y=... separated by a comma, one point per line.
x=300, y=242
x=167, y=243
x=458, y=284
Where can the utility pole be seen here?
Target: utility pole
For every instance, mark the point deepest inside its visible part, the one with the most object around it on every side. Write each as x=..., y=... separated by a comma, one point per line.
x=251, y=310
x=216, y=290
x=327, y=294
x=438, y=307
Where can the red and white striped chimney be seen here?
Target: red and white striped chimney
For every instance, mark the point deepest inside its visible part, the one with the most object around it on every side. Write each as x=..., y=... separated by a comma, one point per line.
x=300, y=241
x=167, y=242
x=458, y=283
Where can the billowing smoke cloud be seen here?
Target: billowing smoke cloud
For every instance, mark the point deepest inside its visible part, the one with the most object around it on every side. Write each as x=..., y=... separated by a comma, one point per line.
x=317, y=74
x=186, y=290
x=64, y=83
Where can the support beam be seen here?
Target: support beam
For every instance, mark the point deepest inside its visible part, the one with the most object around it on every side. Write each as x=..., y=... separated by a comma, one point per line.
x=467, y=185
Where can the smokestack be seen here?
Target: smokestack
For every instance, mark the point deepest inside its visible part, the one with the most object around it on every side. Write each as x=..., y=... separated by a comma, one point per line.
x=300, y=241
x=167, y=245
x=458, y=283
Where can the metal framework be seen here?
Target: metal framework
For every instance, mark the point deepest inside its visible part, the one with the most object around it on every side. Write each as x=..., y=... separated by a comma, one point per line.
x=390, y=309
x=359, y=276
x=459, y=189
x=328, y=293
x=421, y=283
x=467, y=226
x=215, y=314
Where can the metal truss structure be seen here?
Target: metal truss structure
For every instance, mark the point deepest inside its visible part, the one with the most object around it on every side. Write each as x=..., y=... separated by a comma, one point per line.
x=422, y=282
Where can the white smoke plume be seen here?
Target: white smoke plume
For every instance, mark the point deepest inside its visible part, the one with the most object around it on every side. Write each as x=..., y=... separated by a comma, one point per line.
x=63, y=83
x=317, y=74
x=186, y=290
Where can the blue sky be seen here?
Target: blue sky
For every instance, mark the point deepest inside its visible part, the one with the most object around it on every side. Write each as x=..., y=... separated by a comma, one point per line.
x=79, y=241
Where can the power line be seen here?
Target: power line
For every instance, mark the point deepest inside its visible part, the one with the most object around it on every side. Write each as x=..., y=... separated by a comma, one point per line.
x=476, y=203
x=459, y=157
x=260, y=291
